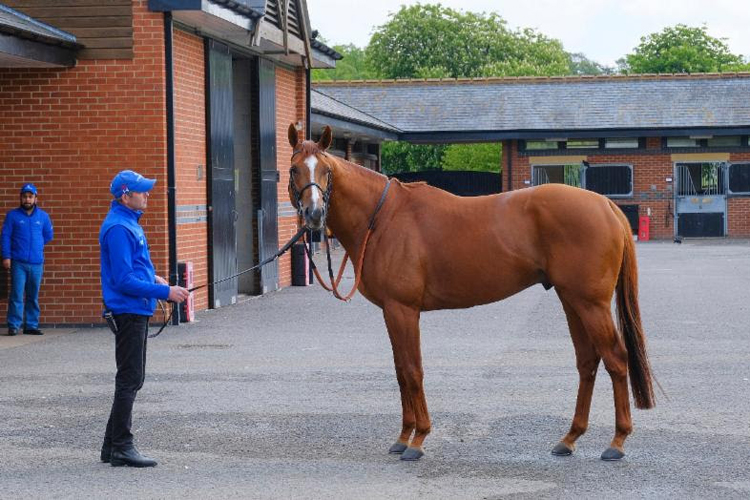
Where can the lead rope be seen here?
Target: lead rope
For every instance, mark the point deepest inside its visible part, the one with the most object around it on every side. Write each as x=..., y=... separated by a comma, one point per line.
x=358, y=267
x=275, y=256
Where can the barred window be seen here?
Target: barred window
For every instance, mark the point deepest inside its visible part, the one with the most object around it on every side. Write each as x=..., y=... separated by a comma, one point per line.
x=739, y=178
x=610, y=180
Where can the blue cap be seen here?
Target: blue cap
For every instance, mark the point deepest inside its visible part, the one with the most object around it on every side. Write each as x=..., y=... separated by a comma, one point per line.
x=127, y=181
x=28, y=188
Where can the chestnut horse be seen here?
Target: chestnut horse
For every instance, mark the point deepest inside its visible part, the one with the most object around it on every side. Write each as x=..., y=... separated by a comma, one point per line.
x=574, y=240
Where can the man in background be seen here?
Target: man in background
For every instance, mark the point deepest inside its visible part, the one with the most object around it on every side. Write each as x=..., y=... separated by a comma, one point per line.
x=26, y=230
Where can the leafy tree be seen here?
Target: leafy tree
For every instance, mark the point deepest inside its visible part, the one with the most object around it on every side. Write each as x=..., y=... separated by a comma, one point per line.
x=581, y=65
x=483, y=157
x=353, y=66
x=681, y=49
x=431, y=41
x=434, y=41
x=405, y=157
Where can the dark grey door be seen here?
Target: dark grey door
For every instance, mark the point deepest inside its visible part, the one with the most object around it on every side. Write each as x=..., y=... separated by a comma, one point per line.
x=268, y=227
x=222, y=215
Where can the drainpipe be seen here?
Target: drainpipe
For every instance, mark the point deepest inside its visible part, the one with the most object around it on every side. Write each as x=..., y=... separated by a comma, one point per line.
x=308, y=122
x=171, y=177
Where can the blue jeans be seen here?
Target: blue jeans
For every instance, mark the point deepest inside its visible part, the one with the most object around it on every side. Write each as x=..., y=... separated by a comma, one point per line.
x=25, y=280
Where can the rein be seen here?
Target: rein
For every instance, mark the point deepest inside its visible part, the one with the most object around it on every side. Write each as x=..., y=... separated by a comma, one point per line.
x=358, y=266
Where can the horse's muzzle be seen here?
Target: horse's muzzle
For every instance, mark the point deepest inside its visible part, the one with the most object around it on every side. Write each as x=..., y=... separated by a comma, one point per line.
x=315, y=218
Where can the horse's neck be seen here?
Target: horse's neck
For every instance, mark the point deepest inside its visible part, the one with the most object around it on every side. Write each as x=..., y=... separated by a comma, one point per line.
x=356, y=192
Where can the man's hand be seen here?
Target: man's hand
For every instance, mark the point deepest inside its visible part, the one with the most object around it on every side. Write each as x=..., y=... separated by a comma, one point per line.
x=178, y=294
x=160, y=280
x=6, y=263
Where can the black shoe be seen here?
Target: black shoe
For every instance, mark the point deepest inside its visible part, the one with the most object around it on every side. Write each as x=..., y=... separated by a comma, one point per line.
x=106, y=452
x=12, y=331
x=32, y=331
x=130, y=457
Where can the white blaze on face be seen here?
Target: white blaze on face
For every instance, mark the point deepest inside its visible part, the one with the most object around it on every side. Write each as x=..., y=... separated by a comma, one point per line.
x=311, y=163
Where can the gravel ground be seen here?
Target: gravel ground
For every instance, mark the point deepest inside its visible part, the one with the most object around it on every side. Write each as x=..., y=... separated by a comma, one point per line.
x=293, y=395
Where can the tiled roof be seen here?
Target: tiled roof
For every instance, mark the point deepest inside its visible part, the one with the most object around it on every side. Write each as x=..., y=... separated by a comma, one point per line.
x=325, y=105
x=556, y=103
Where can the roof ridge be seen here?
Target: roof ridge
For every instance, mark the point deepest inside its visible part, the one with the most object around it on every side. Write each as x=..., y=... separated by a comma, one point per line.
x=537, y=79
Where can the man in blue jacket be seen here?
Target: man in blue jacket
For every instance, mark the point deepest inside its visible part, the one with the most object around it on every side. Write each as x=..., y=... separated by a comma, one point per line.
x=130, y=288
x=25, y=232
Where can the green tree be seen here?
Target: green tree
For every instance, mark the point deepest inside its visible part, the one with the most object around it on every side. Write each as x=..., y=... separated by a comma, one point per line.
x=681, y=49
x=352, y=66
x=405, y=157
x=483, y=157
x=434, y=41
x=581, y=65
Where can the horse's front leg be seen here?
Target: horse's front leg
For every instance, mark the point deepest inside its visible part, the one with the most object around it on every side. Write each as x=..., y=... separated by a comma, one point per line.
x=403, y=329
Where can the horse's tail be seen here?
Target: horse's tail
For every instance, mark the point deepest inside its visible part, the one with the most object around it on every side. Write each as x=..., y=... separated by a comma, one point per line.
x=629, y=316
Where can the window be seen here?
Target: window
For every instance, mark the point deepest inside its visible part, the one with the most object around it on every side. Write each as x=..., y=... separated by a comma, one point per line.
x=682, y=142
x=557, y=174
x=610, y=180
x=739, y=178
x=621, y=143
x=540, y=145
x=582, y=144
x=726, y=141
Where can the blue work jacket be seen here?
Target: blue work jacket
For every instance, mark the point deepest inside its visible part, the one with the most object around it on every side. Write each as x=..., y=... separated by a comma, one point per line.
x=127, y=271
x=24, y=235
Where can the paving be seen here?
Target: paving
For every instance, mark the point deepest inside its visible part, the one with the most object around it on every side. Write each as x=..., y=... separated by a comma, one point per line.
x=293, y=396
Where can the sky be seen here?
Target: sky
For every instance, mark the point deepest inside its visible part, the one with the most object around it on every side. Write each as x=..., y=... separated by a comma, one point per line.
x=603, y=30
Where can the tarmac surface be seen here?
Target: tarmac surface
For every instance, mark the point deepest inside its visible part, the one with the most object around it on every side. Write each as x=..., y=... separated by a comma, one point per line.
x=293, y=396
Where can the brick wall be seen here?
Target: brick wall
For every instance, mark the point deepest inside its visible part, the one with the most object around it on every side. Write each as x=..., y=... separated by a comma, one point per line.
x=70, y=131
x=290, y=108
x=738, y=208
x=650, y=187
x=190, y=158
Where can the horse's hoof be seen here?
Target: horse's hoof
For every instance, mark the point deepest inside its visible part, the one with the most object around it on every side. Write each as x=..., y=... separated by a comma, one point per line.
x=612, y=454
x=412, y=454
x=397, y=447
x=562, y=450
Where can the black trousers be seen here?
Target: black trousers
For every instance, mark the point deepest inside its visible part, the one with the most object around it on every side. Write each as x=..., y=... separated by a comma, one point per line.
x=130, y=353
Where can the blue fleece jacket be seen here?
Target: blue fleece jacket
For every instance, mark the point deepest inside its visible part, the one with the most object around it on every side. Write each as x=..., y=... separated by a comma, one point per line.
x=24, y=235
x=127, y=271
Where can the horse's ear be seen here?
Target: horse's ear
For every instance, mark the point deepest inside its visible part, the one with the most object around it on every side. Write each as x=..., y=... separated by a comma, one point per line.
x=293, y=139
x=325, y=139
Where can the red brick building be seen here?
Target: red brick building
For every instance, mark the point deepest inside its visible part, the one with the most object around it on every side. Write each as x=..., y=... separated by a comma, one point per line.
x=198, y=95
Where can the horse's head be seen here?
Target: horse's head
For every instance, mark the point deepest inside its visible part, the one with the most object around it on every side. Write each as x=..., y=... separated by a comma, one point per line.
x=310, y=177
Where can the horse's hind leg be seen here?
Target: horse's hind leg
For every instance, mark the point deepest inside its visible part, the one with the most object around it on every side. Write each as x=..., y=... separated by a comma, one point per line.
x=403, y=329
x=587, y=362
x=597, y=320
